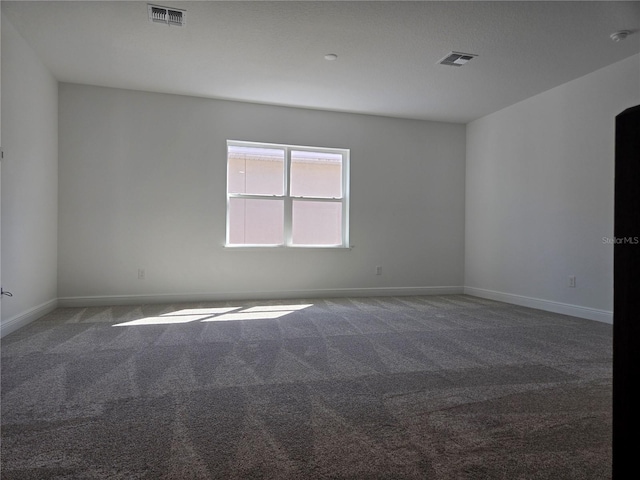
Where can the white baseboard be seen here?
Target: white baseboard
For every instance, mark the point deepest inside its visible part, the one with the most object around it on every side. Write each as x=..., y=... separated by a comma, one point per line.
x=18, y=321
x=546, y=305
x=113, y=300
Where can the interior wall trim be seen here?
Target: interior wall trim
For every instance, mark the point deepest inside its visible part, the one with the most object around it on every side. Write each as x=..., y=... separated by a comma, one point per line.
x=18, y=321
x=588, y=313
x=12, y=324
x=113, y=300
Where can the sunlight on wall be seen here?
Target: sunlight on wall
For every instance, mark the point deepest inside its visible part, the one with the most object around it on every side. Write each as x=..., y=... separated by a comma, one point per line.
x=217, y=315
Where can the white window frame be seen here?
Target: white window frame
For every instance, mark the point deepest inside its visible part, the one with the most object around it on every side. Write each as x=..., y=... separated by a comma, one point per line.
x=288, y=198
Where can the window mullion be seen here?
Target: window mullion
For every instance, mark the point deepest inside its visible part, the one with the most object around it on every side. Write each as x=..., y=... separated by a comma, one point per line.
x=318, y=199
x=251, y=196
x=288, y=202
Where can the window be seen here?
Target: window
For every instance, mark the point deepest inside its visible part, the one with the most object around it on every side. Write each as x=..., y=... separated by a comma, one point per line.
x=286, y=195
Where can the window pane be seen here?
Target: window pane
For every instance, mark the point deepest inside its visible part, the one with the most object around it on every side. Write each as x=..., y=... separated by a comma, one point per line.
x=316, y=174
x=256, y=222
x=258, y=171
x=317, y=223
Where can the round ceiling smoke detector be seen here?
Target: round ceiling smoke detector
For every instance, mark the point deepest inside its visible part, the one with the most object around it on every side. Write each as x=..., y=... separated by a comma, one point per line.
x=621, y=35
x=330, y=56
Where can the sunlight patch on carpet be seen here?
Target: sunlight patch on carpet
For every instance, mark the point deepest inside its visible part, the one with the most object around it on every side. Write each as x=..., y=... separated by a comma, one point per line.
x=222, y=314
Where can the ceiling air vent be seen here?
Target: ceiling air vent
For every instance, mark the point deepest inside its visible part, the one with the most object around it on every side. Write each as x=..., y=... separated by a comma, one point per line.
x=166, y=15
x=456, y=59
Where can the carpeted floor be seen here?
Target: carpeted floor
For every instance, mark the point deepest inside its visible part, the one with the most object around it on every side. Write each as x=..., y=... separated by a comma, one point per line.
x=437, y=387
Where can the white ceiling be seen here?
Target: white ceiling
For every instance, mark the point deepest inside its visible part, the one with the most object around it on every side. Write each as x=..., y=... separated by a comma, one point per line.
x=273, y=52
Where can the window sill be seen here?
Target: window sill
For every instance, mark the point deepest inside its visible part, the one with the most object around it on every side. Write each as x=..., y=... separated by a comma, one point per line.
x=267, y=248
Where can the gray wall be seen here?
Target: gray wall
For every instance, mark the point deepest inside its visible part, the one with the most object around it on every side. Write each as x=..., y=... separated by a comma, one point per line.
x=142, y=185
x=539, y=195
x=29, y=182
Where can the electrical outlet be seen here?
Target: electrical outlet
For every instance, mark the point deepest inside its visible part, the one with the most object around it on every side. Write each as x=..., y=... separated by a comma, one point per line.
x=141, y=274
x=572, y=281
x=378, y=270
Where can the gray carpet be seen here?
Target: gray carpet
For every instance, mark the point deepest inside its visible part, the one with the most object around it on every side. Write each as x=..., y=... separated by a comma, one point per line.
x=434, y=387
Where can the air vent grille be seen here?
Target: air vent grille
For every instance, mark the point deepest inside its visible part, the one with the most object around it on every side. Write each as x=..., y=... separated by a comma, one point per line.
x=456, y=59
x=166, y=15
